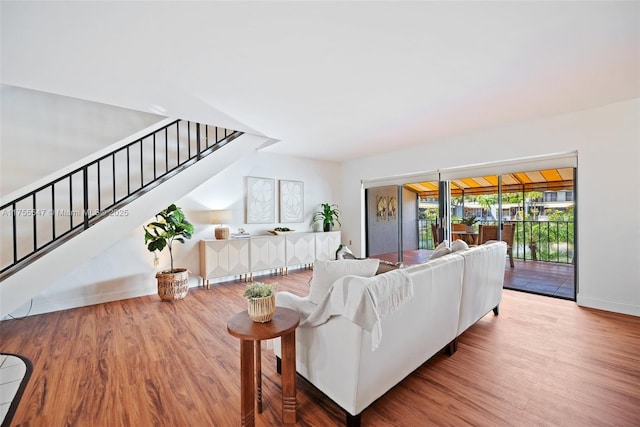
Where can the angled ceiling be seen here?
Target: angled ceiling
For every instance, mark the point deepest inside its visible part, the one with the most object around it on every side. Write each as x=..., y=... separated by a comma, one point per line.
x=330, y=80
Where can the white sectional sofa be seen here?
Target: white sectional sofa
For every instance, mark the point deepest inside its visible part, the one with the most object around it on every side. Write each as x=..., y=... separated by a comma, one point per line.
x=354, y=362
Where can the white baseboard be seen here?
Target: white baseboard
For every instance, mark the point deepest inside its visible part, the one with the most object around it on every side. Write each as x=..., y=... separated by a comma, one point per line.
x=615, y=307
x=49, y=304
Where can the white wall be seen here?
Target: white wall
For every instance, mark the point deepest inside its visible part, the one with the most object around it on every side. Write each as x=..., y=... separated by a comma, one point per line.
x=608, y=201
x=227, y=190
x=126, y=269
x=43, y=132
x=607, y=140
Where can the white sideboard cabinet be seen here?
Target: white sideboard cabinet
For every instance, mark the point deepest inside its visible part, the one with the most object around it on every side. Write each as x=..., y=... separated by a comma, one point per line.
x=222, y=258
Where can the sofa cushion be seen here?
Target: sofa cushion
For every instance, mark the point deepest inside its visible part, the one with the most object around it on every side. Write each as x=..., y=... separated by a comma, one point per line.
x=344, y=252
x=349, y=255
x=441, y=250
x=490, y=242
x=382, y=268
x=386, y=266
x=325, y=272
x=459, y=245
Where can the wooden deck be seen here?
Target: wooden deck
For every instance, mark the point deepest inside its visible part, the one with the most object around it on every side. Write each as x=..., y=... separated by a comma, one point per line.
x=542, y=278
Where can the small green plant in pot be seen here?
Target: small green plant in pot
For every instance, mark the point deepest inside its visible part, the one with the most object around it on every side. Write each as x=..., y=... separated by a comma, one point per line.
x=328, y=215
x=469, y=221
x=261, y=301
x=170, y=226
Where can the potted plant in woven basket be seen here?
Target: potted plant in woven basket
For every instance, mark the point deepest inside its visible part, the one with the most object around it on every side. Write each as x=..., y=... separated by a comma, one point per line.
x=262, y=301
x=170, y=226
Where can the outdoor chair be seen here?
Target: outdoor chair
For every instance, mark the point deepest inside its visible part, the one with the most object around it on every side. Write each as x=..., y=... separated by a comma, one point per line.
x=434, y=233
x=490, y=232
x=457, y=227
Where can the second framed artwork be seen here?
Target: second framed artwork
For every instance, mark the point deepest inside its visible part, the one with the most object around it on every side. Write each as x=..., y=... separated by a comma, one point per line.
x=291, y=201
x=392, y=210
x=381, y=208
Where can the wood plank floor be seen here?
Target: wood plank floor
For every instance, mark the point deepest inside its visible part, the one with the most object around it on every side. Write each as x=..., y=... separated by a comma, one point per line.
x=143, y=362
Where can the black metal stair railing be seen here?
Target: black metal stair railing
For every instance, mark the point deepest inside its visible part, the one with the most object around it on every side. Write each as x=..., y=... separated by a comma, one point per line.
x=37, y=222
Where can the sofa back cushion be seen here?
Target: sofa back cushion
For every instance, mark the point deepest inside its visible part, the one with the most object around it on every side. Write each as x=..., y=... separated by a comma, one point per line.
x=459, y=245
x=441, y=250
x=325, y=272
x=386, y=266
x=383, y=267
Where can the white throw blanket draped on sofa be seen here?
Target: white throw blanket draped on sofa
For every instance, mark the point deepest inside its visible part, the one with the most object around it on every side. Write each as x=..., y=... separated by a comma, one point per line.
x=364, y=301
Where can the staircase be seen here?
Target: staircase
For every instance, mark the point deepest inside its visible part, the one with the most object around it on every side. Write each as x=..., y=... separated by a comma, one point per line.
x=53, y=228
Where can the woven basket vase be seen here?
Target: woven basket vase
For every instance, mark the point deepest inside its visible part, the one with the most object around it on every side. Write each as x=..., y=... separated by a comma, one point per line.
x=173, y=286
x=261, y=309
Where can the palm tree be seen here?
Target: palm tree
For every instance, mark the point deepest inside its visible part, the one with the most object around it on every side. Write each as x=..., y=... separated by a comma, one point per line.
x=486, y=201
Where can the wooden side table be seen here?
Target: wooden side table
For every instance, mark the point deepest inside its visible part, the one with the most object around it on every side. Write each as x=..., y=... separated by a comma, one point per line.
x=250, y=333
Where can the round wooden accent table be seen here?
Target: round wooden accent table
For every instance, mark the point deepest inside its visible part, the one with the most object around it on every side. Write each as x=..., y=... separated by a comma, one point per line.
x=250, y=333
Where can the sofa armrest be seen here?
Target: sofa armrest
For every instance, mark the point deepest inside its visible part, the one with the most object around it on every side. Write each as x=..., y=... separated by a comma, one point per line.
x=302, y=305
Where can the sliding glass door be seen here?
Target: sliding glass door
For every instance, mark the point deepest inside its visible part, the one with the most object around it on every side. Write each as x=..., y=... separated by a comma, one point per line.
x=531, y=210
x=529, y=203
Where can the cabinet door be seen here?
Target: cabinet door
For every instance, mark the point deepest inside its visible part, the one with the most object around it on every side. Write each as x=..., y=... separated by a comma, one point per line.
x=267, y=253
x=214, y=258
x=259, y=254
x=238, y=256
x=327, y=244
x=300, y=249
x=277, y=252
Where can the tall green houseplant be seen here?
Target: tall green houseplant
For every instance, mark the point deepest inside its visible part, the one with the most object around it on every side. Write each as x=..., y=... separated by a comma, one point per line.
x=170, y=226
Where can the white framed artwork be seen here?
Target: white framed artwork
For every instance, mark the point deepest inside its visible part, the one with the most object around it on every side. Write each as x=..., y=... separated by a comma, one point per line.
x=261, y=205
x=291, y=201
